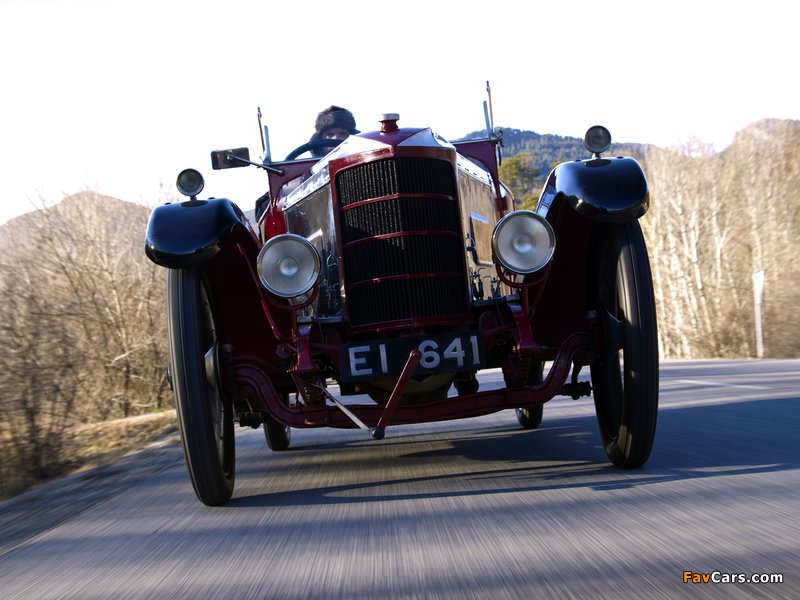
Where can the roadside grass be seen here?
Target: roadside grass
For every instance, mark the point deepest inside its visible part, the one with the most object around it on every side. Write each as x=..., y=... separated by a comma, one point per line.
x=89, y=446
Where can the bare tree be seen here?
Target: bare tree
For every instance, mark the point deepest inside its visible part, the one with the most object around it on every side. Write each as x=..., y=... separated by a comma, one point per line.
x=715, y=219
x=83, y=330
x=120, y=297
x=39, y=374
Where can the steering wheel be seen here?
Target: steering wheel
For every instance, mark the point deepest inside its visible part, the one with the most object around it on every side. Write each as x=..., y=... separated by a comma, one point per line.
x=312, y=145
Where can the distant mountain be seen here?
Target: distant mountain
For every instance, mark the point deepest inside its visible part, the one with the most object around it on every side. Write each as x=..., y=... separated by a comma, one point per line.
x=86, y=219
x=548, y=149
x=86, y=203
x=766, y=129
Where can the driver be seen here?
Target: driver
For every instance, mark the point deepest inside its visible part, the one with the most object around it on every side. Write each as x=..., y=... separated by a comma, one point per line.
x=333, y=123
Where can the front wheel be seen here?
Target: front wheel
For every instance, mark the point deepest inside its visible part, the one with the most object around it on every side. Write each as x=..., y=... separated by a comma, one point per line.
x=625, y=375
x=205, y=419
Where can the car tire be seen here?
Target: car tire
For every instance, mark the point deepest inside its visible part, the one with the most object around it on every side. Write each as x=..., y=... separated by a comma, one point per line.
x=531, y=417
x=205, y=419
x=625, y=374
x=278, y=435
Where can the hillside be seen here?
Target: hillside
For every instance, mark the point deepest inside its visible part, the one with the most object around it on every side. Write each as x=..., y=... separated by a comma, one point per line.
x=549, y=149
x=87, y=204
x=84, y=333
x=715, y=220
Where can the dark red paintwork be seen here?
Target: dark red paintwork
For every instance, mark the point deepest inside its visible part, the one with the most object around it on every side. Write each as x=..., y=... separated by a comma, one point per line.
x=268, y=352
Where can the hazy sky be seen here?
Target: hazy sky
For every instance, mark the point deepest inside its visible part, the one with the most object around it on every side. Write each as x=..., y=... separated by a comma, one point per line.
x=119, y=96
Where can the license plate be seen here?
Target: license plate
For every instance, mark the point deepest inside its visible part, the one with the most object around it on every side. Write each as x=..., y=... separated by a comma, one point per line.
x=382, y=359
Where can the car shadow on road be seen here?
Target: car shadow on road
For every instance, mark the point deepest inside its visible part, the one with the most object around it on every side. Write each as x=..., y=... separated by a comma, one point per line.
x=692, y=443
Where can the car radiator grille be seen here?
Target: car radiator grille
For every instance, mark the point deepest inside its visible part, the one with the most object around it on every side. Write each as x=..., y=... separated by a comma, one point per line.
x=400, y=230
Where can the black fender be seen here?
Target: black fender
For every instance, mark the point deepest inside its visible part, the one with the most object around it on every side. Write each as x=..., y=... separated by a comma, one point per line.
x=190, y=233
x=611, y=190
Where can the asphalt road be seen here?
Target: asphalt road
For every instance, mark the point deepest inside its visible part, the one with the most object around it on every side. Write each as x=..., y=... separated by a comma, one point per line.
x=468, y=509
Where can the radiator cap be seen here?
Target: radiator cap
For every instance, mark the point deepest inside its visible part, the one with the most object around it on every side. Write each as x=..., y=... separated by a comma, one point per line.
x=389, y=122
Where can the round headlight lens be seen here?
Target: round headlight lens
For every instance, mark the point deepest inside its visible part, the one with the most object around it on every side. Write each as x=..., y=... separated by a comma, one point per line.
x=597, y=139
x=190, y=182
x=288, y=265
x=523, y=242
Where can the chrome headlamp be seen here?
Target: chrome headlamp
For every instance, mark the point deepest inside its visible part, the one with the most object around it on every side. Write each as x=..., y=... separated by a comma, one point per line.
x=288, y=265
x=523, y=242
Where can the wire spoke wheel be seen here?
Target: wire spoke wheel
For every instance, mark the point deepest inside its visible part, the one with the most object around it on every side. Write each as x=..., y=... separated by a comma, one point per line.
x=205, y=419
x=625, y=376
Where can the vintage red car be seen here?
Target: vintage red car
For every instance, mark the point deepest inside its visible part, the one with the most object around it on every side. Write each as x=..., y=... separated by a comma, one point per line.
x=397, y=267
